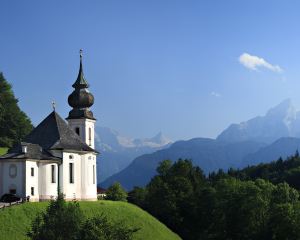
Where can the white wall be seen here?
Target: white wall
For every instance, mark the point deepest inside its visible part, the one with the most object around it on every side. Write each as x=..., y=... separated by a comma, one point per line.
x=83, y=187
x=89, y=181
x=8, y=182
x=71, y=190
x=32, y=181
x=84, y=125
x=47, y=189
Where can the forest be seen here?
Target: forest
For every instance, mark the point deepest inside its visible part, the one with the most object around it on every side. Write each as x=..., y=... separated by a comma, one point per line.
x=259, y=202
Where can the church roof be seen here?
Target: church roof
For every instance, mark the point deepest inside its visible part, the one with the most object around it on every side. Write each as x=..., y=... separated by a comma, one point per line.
x=34, y=151
x=53, y=133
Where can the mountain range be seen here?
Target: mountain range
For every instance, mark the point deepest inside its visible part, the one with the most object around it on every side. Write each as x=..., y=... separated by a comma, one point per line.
x=117, y=151
x=280, y=121
x=261, y=139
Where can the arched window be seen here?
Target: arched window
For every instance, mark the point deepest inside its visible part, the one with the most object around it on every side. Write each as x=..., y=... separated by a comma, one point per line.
x=77, y=130
x=71, y=172
x=94, y=177
x=90, y=136
x=53, y=174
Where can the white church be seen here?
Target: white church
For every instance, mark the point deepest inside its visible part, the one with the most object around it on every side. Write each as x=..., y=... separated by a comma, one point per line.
x=57, y=156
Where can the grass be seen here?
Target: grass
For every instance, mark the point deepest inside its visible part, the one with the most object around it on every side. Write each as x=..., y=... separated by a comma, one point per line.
x=3, y=150
x=15, y=221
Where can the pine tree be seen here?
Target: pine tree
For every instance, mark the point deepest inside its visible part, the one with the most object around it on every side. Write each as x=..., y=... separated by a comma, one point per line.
x=14, y=123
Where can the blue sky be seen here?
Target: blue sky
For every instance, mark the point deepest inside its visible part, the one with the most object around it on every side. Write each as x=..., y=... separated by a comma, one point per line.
x=171, y=66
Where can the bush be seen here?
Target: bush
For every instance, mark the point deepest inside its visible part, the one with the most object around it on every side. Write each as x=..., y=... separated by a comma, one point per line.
x=99, y=228
x=116, y=193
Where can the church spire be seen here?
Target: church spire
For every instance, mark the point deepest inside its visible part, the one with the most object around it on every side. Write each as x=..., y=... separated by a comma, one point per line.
x=80, y=81
x=80, y=99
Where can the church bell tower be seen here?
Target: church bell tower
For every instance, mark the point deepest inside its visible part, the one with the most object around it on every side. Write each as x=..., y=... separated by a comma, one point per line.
x=81, y=118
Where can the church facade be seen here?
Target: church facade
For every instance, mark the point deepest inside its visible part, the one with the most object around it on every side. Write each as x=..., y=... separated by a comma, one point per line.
x=57, y=156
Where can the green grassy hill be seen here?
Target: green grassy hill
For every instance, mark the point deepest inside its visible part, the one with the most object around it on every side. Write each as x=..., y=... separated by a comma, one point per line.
x=15, y=221
x=3, y=150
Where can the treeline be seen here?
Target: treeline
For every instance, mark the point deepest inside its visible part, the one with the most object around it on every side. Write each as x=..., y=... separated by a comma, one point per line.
x=276, y=172
x=234, y=205
x=14, y=123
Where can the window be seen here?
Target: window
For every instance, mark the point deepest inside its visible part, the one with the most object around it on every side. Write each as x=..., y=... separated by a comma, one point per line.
x=53, y=178
x=71, y=157
x=77, y=130
x=90, y=136
x=32, y=191
x=71, y=172
x=12, y=170
x=12, y=191
x=94, y=174
x=32, y=172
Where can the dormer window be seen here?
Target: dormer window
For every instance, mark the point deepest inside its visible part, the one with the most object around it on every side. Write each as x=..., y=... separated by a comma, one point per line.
x=24, y=149
x=77, y=130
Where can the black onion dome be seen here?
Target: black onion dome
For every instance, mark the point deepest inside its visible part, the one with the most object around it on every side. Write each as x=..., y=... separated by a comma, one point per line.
x=81, y=99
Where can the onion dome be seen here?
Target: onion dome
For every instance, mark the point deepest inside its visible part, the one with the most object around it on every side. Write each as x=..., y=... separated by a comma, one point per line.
x=80, y=99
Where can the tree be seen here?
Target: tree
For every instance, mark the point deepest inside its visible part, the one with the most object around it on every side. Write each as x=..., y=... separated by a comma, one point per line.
x=14, y=124
x=60, y=221
x=99, y=228
x=137, y=196
x=116, y=193
x=64, y=220
x=170, y=196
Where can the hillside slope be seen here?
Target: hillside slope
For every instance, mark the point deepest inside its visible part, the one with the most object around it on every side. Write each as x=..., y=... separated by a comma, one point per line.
x=15, y=221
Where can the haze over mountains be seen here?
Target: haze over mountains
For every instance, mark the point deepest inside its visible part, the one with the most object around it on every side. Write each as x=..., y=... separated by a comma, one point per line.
x=117, y=151
x=261, y=139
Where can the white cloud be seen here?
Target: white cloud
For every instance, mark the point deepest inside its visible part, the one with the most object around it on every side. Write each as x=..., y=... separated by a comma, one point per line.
x=215, y=94
x=253, y=62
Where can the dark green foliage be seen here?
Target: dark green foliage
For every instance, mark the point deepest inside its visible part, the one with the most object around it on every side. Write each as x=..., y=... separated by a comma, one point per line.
x=14, y=124
x=99, y=228
x=275, y=172
x=137, y=195
x=60, y=221
x=64, y=220
x=116, y=193
x=225, y=206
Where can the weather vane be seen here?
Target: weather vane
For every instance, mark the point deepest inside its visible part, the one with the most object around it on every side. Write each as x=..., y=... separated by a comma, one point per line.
x=80, y=52
x=53, y=105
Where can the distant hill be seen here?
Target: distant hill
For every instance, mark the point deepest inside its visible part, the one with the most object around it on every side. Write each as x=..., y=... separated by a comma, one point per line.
x=283, y=147
x=281, y=121
x=16, y=220
x=209, y=154
x=118, y=151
